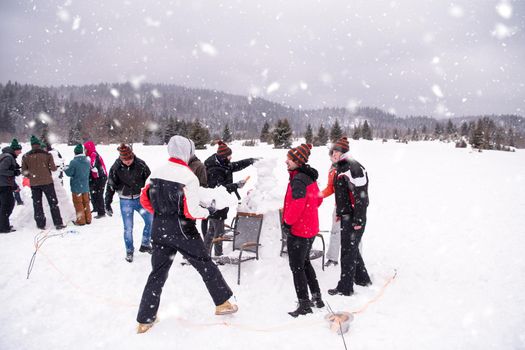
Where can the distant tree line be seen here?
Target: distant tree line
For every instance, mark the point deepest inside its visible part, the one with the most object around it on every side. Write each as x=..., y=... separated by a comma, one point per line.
x=111, y=113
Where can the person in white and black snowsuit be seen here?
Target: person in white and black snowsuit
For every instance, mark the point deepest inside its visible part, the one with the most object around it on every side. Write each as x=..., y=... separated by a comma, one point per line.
x=127, y=177
x=301, y=224
x=97, y=179
x=351, y=198
x=220, y=169
x=9, y=170
x=172, y=195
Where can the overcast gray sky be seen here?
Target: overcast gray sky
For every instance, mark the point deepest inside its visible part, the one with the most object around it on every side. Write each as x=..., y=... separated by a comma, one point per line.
x=415, y=57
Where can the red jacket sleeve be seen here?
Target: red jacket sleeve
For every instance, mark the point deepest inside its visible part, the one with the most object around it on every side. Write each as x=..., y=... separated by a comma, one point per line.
x=144, y=199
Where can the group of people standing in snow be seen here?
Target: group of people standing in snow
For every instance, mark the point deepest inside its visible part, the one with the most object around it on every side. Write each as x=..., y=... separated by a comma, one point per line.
x=168, y=201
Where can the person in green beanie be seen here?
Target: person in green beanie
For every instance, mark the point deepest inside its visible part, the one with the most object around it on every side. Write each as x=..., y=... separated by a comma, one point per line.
x=78, y=170
x=37, y=165
x=17, y=147
x=9, y=169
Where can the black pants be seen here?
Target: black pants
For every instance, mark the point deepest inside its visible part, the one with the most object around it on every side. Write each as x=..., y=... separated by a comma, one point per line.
x=302, y=270
x=96, y=191
x=352, y=265
x=167, y=241
x=49, y=191
x=7, y=203
x=215, y=229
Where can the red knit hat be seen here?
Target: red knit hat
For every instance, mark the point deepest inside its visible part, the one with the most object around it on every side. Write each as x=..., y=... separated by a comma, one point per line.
x=341, y=145
x=125, y=152
x=300, y=153
x=223, y=150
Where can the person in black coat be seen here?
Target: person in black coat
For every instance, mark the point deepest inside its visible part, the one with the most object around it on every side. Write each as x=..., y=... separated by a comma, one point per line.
x=127, y=176
x=351, y=199
x=219, y=170
x=9, y=169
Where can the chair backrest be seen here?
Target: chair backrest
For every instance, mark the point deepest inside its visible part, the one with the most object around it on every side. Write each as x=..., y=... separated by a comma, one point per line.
x=247, y=229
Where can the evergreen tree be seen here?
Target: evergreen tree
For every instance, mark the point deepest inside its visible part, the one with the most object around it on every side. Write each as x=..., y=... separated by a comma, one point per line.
x=309, y=134
x=356, y=135
x=438, y=130
x=169, y=130
x=6, y=122
x=510, y=138
x=464, y=129
x=395, y=134
x=336, y=132
x=282, y=134
x=199, y=134
x=74, y=135
x=450, y=128
x=415, y=136
x=265, y=133
x=322, y=137
x=476, y=137
x=226, y=134
x=366, y=132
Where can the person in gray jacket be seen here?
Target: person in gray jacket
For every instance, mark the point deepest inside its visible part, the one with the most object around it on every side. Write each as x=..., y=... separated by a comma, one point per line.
x=9, y=169
x=78, y=170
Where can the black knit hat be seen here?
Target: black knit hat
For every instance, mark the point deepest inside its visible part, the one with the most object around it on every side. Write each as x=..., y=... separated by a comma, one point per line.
x=300, y=154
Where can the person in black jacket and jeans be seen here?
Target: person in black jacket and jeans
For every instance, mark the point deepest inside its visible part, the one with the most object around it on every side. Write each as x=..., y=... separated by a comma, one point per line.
x=220, y=169
x=127, y=176
x=351, y=200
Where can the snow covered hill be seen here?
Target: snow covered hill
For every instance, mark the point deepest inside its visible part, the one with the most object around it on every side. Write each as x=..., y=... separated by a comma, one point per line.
x=449, y=221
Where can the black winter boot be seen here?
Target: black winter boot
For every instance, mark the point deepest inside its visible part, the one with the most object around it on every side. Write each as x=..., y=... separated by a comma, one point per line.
x=303, y=308
x=317, y=300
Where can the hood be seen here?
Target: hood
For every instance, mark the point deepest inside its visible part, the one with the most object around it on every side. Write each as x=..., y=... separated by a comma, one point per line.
x=9, y=150
x=309, y=171
x=90, y=147
x=181, y=148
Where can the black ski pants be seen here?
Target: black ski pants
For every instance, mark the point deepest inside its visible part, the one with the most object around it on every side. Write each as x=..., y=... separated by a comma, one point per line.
x=49, y=192
x=302, y=270
x=352, y=265
x=7, y=203
x=96, y=190
x=169, y=237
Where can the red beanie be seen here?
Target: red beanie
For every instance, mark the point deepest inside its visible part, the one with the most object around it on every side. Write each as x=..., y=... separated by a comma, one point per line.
x=223, y=150
x=341, y=145
x=300, y=153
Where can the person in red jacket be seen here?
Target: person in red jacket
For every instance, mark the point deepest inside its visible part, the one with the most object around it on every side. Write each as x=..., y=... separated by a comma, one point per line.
x=301, y=223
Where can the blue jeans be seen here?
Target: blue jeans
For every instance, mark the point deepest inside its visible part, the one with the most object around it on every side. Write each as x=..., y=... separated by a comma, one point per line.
x=127, y=209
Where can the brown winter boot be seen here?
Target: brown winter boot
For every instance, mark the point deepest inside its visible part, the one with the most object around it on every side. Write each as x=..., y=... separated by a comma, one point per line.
x=144, y=327
x=226, y=308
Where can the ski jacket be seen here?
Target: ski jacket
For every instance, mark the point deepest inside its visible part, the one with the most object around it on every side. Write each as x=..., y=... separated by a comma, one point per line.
x=98, y=168
x=301, y=202
x=220, y=173
x=173, y=191
x=330, y=189
x=79, y=169
x=351, y=191
x=127, y=181
x=9, y=168
x=37, y=165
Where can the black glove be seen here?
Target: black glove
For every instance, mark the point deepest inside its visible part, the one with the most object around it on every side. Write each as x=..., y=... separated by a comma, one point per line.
x=241, y=183
x=17, y=172
x=109, y=210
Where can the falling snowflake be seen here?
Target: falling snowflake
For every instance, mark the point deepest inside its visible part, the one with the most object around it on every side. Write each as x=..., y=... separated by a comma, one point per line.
x=114, y=92
x=208, y=49
x=437, y=91
x=272, y=87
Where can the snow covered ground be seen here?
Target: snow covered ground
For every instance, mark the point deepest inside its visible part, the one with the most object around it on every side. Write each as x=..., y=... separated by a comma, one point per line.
x=450, y=221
